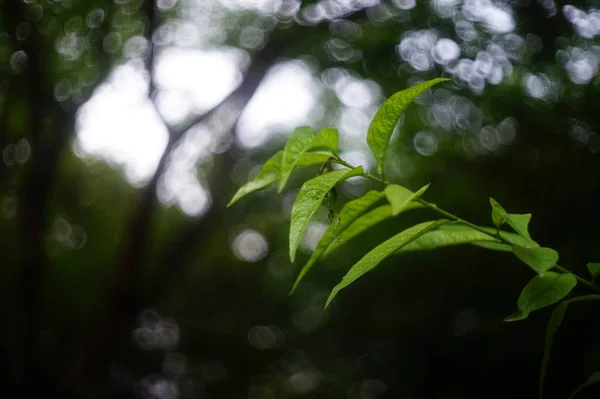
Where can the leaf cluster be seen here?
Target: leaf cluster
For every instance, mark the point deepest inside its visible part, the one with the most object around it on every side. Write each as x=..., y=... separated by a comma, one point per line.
x=550, y=284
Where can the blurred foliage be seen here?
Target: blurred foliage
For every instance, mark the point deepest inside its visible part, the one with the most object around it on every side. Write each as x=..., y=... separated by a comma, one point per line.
x=102, y=299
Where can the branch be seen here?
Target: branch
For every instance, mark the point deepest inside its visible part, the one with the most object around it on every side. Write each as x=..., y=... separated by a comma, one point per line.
x=139, y=226
x=125, y=302
x=150, y=10
x=32, y=199
x=7, y=107
x=194, y=234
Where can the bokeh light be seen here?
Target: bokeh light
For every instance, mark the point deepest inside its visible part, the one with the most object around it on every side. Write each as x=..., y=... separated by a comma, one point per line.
x=250, y=246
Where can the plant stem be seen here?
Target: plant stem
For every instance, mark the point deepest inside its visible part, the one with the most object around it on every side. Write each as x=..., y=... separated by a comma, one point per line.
x=583, y=281
x=455, y=218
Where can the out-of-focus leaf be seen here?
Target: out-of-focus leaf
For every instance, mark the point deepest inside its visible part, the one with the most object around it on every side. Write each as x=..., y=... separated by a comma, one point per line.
x=302, y=140
x=385, y=120
x=594, y=379
x=363, y=223
x=382, y=251
x=400, y=197
x=541, y=291
x=539, y=259
x=271, y=171
x=347, y=215
x=594, y=269
x=499, y=215
x=553, y=325
x=309, y=199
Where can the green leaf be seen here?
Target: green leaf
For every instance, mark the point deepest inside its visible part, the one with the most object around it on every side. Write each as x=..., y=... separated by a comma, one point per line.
x=543, y=290
x=539, y=259
x=363, y=223
x=268, y=174
x=594, y=269
x=312, y=158
x=553, y=325
x=520, y=223
x=457, y=234
x=302, y=140
x=271, y=171
x=309, y=199
x=517, y=239
x=297, y=144
x=594, y=379
x=347, y=215
x=513, y=238
x=400, y=197
x=499, y=215
x=382, y=251
x=385, y=120
x=326, y=138
x=447, y=235
x=493, y=245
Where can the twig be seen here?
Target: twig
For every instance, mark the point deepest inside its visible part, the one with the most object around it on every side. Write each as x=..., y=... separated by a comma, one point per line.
x=455, y=218
x=150, y=9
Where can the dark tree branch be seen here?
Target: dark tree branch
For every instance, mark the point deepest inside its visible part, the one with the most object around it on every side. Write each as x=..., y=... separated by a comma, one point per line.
x=152, y=20
x=138, y=231
x=126, y=301
x=33, y=198
x=194, y=234
x=31, y=206
x=139, y=228
x=7, y=107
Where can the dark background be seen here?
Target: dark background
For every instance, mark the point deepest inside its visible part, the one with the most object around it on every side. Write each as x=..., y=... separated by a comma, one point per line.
x=154, y=303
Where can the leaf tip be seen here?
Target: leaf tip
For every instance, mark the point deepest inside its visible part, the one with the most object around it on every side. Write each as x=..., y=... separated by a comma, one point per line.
x=518, y=315
x=593, y=269
x=280, y=187
x=332, y=295
x=329, y=300
x=295, y=285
